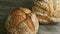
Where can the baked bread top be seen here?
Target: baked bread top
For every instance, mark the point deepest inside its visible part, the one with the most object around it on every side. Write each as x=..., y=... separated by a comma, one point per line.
x=47, y=8
x=22, y=21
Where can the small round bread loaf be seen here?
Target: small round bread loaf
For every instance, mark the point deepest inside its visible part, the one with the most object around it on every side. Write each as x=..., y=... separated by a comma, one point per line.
x=48, y=11
x=22, y=21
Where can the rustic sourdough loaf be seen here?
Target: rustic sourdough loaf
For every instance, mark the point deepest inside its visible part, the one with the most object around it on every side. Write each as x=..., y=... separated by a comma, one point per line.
x=22, y=21
x=48, y=11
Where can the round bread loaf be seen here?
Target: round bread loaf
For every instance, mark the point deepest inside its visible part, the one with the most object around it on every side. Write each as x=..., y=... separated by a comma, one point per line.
x=48, y=11
x=22, y=21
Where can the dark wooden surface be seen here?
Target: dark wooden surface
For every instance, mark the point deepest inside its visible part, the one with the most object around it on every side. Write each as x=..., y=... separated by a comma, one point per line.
x=6, y=6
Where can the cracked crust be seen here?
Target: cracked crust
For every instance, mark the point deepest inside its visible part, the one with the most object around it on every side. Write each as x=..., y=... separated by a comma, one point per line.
x=47, y=8
x=20, y=22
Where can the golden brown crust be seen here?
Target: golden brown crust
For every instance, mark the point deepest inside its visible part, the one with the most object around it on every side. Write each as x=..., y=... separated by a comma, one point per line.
x=43, y=19
x=20, y=22
x=48, y=7
x=30, y=24
x=18, y=16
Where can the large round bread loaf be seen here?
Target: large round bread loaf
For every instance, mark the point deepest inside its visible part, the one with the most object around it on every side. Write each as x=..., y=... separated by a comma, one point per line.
x=22, y=21
x=48, y=11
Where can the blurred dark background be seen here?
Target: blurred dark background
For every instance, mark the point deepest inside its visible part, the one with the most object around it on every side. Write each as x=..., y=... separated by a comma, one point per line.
x=6, y=6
